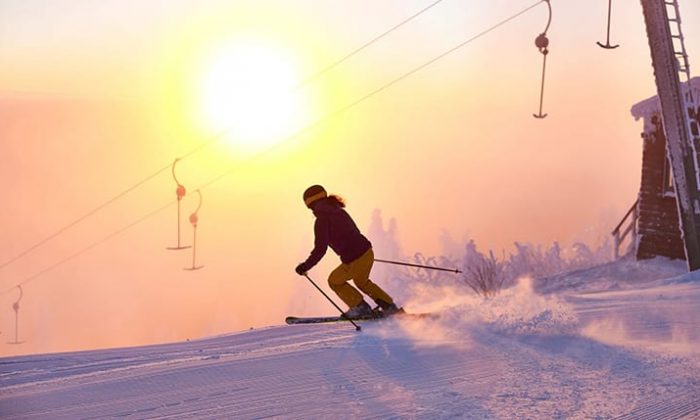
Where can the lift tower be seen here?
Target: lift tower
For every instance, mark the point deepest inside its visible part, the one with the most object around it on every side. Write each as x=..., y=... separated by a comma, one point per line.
x=669, y=60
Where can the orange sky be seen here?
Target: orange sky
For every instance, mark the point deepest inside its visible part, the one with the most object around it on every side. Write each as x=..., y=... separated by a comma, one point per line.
x=95, y=96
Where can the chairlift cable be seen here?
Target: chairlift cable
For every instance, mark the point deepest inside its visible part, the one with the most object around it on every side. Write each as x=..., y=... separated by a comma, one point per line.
x=81, y=218
x=366, y=44
x=380, y=89
x=299, y=132
x=212, y=140
x=87, y=248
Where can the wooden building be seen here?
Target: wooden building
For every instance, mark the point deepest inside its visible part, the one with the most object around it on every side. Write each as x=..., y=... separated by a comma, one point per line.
x=653, y=220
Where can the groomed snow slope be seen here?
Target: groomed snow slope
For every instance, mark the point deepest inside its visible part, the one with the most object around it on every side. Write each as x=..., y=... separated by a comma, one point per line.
x=630, y=352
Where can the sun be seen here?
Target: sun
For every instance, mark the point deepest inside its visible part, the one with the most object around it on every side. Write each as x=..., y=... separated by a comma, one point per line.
x=248, y=92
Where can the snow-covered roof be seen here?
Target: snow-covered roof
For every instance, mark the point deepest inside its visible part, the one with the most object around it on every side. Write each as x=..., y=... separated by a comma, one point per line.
x=650, y=106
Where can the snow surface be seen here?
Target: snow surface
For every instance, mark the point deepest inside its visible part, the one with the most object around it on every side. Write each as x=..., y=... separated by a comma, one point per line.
x=619, y=340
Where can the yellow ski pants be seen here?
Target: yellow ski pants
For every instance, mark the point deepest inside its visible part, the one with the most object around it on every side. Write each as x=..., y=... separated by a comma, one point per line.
x=358, y=271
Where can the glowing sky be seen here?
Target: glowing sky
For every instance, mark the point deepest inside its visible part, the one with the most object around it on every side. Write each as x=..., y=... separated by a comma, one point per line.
x=96, y=96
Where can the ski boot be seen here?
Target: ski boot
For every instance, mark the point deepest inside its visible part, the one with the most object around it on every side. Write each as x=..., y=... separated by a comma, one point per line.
x=389, y=309
x=362, y=310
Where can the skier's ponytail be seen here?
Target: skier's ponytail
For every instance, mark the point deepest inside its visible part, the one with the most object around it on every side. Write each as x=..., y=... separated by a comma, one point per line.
x=337, y=200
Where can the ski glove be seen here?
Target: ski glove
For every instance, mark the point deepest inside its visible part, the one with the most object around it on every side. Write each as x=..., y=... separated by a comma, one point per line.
x=301, y=269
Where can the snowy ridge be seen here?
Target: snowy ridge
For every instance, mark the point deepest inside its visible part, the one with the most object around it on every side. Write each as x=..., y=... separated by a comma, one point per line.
x=621, y=274
x=579, y=352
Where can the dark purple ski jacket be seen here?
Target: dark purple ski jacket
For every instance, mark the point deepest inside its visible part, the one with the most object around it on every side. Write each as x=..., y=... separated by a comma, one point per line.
x=335, y=228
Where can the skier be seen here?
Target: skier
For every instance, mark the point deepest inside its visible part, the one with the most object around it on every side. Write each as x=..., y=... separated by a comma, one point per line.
x=335, y=227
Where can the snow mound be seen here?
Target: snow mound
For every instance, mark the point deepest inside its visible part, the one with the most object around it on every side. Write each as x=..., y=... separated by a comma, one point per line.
x=686, y=279
x=542, y=307
x=521, y=310
x=517, y=310
x=624, y=273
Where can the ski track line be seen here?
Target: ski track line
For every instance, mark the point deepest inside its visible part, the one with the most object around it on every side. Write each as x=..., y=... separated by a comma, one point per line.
x=649, y=327
x=364, y=383
x=249, y=406
x=557, y=382
x=171, y=376
x=295, y=395
x=254, y=400
x=144, y=371
x=77, y=380
x=516, y=398
x=361, y=388
x=585, y=375
x=331, y=371
x=73, y=374
x=681, y=406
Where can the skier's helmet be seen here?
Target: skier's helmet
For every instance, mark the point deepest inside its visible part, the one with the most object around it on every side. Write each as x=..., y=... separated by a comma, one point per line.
x=313, y=194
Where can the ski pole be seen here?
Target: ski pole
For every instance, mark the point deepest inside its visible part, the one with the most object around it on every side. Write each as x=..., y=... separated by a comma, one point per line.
x=342, y=314
x=452, y=270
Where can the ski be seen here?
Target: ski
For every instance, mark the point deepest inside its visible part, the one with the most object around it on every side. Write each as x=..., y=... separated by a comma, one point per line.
x=326, y=319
